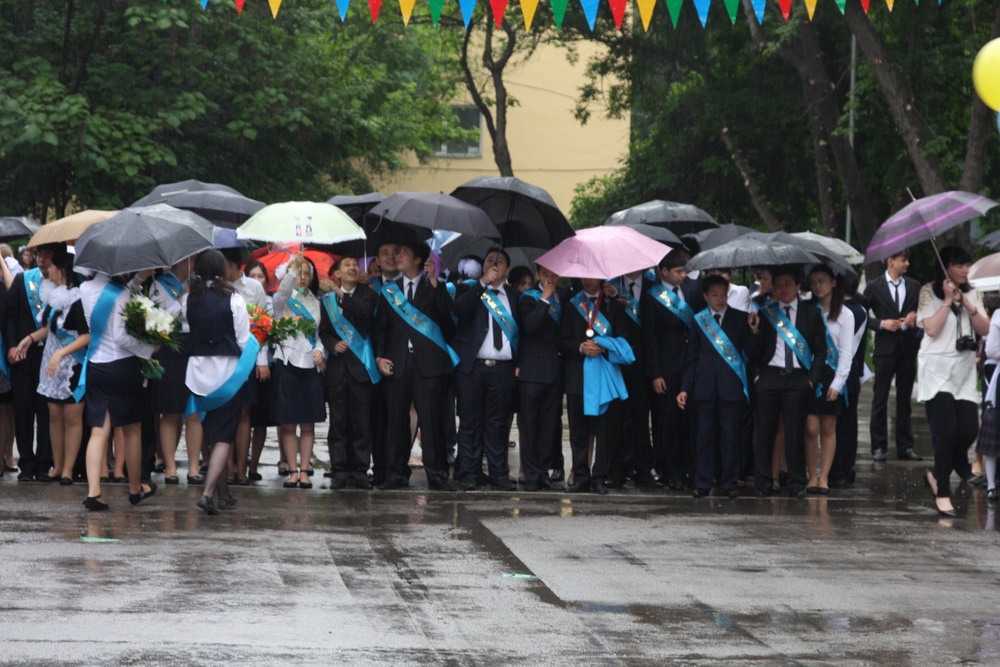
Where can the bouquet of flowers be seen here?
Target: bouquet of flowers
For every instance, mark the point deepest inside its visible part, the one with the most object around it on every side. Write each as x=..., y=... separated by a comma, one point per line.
x=148, y=323
x=275, y=331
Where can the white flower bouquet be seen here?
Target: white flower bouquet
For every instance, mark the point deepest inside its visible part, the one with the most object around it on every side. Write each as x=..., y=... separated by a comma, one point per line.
x=148, y=323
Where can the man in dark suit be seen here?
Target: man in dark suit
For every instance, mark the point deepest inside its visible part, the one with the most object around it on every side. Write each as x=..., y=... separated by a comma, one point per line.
x=668, y=315
x=388, y=271
x=348, y=381
x=539, y=373
x=785, y=384
x=413, y=325
x=580, y=316
x=714, y=384
x=486, y=339
x=31, y=411
x=892, y=299
x=842, y=472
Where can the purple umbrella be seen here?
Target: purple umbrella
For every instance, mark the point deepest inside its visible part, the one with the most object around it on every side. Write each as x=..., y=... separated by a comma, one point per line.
x=923, y=220
x=603, y=252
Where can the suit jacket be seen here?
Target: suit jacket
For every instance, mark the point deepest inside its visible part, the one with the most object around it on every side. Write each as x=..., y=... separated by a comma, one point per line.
x=359, y=309
x=664, y=335
x=860, y=320
x=882, y=304
x=392, y=333
x=631, y=331
x=706, y=373
x=538, y=357
x=19, y=321
x=809, y=322
x=474, y=322
x=574, y=333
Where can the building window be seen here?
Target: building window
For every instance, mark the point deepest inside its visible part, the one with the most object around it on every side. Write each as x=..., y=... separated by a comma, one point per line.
x=468, y=119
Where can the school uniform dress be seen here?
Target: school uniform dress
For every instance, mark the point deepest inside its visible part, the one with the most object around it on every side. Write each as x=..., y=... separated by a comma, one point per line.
x=841, y=334
x=169, y=394
x=66, y=321
x=297, y=390
x=114, y=374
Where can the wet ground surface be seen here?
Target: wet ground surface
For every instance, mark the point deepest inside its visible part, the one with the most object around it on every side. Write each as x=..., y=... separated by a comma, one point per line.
x=291, y=577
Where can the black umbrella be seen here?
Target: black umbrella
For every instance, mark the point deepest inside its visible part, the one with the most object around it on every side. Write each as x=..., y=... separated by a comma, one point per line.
x=744, y=252
x=679, y=218
x=426, y=211
x=162, y=193
x=17, y=228
x=226, y=209
x=462, y=247
x=356, y=206
x=713, y=238
x=142, y=237
x=526, y=214
x=836, y=262
x=661, y=234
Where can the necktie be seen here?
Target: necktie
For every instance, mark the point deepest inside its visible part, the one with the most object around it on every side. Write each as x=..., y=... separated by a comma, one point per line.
x=789, y=353
x=677, y=292
x=497, y=334
x=718, y=319
x=899, y=306
x=409, y=292
x=632, y=288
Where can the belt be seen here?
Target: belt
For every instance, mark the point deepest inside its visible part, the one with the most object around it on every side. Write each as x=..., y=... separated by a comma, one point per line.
x=490, y=363
x=781, y=371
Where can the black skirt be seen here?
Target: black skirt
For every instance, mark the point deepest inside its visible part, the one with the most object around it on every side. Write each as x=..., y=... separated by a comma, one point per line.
x=261, y=409
x=220, y=425
x=170, y=393
x=989, y=436
x=297, y=394
x=114, y=388
x=818, y=405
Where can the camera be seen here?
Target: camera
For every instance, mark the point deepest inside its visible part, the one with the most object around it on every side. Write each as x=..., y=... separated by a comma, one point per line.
x=966, y=344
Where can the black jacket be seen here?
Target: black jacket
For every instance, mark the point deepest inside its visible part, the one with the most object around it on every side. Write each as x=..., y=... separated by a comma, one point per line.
x=474, y=322
x=706, y=373
x=882, y=305
x=664, y=335
x=359, y=309
x=574, y=334
x=392, y=333
x=538, y=357
x=809, y=322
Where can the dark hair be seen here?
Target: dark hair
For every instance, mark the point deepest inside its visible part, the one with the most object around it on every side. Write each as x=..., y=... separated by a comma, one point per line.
x=951, y=255
x=421, y=251
x=500, y=251
x=255, y=264
x=210, y=267
x=518, y=274
x=837, y=297
x=336, y=265
x=711, y=280
x=64, y=262
x=792, y=270
x=674, y=258
x=234, y=255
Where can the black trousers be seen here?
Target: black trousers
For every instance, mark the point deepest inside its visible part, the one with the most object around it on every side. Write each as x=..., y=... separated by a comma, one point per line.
x=844, y=458
x=603, y=428
x=675, y=458
x=637, y=451
x=786, y=395
x=540, y=407
x=427, y=395
x=349, y=436
x=377, y=416
x=905, y=371
x=31, y=409
x=956, y=424
x=719, y=439
x=485, y=403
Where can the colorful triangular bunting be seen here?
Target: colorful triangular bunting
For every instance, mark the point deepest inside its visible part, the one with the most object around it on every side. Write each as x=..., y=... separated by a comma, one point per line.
x=467, y=7
x=559, y=11
x=239, y=5
x=435, y=6
x=890, y=3
x=786, y=8
x=674, y=9
x=811, y=8
x=590, y=11
x=617, y=11
x=374, y=6
x=731, y=6
x=646, y=11
x=702, y=7
x=864, y=5
x=758, y=9
x=406, y=9
x=499, y=8
x=842, y=5
x=342, y=7
x=275, y=6
x=528, y=8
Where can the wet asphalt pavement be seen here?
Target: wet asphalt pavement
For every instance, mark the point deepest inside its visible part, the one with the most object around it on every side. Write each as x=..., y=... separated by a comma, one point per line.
x=867, y=576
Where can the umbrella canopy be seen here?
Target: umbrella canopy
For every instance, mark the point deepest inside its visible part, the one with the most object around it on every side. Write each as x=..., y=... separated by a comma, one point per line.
x=835, y=246
x=679, y=218
x=661, y=234
x=991, y=240
x=226, y=209
x=68, y=229
x=426, y=211
x=300, y=222
x=839, y=265
x=162, y=193
x=716, y=236
x=461, y=248
x=142, y=237
x=526, y=214
x=923, y=220
x=356, y=206
x=603, y=252
x=745, y=252
x=986, y=268
x=16, y=228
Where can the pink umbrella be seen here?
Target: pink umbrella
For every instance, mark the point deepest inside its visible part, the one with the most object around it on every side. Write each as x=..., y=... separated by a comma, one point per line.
x=603, y=252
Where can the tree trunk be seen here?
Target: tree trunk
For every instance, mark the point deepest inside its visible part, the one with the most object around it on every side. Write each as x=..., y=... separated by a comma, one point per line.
x=496, y=125
x=760, y=204
x=824, y=178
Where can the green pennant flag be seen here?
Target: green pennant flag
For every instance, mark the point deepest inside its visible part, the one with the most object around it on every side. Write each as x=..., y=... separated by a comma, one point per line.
x=559, y=11
x=731, y=6
x=436, y=6
x=842, y=4
x=674, y=7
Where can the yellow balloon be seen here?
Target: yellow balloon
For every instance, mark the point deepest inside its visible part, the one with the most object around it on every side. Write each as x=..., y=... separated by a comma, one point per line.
x=986, y=74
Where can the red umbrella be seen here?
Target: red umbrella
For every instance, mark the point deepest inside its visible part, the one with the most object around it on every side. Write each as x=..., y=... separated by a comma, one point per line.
x=276, y=254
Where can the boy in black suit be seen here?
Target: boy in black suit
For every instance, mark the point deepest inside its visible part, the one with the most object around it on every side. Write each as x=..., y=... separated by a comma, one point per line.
x=715, y=380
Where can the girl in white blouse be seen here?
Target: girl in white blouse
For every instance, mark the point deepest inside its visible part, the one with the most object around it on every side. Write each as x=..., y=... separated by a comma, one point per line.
x=821, y=424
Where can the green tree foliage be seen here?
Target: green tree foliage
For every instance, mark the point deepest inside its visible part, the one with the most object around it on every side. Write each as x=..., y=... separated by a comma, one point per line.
x=102, y=99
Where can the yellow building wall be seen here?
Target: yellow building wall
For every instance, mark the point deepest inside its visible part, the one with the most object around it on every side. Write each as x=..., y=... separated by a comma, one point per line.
x=548, y=145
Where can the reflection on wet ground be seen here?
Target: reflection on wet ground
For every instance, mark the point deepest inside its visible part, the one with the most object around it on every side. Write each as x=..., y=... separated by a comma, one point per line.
x=863, y=577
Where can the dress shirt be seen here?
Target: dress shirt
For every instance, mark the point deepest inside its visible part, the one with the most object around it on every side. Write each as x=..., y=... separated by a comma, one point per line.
x=780, y=347
x=296, y=351
x=739, y=297
x=901, y=285
x=486, y=350
x=679, y=293
x=167, y=302
x=406, y=293
x=842, y=333
x=115, y=344
x=206, y=374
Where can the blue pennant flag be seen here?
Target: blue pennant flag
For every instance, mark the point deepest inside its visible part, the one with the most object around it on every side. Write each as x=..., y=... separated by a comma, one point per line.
x=342, y=7
x=590, y=10
x=702, y=7
x=467, y=7
x=758, y=9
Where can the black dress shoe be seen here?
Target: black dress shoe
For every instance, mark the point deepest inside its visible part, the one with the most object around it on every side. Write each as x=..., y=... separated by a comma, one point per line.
x=391, y=485
x=557, y=476
x=798, y=494
x=173, y=479
x=675, y=485
x=196, y=480
x=991, y=495
x=338, y=483
x=208, y=504
x=160, y=467
x=255, y=477
x=467, y=485
x=532, y=486
x=880, y=454
x=94, y=505
x=700, y=493
x=328, y=474
x=502, y=485
x=578, y=487
x=136, y=498
x=600, y=488
x=732, y=493
x=549, y=486
x=66, y=481
x=909, y=455
x=363, y=484
x=441, y=484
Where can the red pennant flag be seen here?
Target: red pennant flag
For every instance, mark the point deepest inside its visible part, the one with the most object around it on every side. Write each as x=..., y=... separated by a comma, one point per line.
x=618, y=11
x=786, y=8
x=864, y=5
x=374, y=6
x=239, y=6
x=499, y=8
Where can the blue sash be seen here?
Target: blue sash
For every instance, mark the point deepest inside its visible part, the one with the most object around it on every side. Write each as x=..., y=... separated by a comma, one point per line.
x=582, y=305
x=501, y=317
x=788, y=333
x=631, y=305
x=650, y=275
x=299, y=310
x=360, y=346
x=555, y=308
x=420, y=323
x=669, y=300
x=33, y=286
x=100, y=317
x=65, y=337
x=724, y=346
x=832, y=358
x=4, y=368
x=452, y=289
x=225, y=393
x=172, y=285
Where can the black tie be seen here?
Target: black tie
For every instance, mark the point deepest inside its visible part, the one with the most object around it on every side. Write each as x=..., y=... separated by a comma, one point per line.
x=631, y=288
x=497, y=334
x=677, y=292
x=789, y=362
x=899, y=306
x=718, y=319
x=409, y=292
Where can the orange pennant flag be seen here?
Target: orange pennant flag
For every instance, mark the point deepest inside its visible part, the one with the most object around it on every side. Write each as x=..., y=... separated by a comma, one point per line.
x=406, y=8
x=528, y=8
x=275, y=6
x=646, y=12
x=811, y=8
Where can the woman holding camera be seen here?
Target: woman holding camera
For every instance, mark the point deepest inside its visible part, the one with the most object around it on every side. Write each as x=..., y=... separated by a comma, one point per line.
x=951, y=314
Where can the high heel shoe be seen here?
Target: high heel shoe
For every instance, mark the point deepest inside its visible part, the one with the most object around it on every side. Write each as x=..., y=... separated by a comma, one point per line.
x=94, y=505
x=136, y=498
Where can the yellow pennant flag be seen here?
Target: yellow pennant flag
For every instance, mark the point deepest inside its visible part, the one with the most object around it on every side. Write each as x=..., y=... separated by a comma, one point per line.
x=406, y=8
x=646, y=11
x=811, y=8
x=528, y=8
x=890, y=3
x=275, y=6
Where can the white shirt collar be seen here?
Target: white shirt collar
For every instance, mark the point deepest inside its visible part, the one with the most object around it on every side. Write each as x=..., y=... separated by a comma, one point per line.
x=889, y=279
